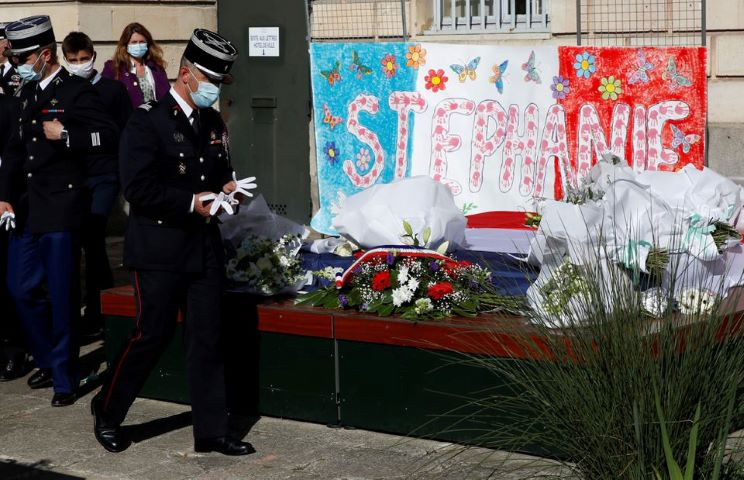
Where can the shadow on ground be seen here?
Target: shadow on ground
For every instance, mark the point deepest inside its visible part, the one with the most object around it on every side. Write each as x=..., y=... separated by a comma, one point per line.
x=12, y=470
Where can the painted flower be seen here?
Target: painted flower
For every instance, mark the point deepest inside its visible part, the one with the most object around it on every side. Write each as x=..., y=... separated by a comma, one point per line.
x=362, y=159
x=381, y=281
x=416, y=56
x=610, y=88
x=331, y=152
x=560, y=87
x=439, y=290
x=389, y=65
x=436, y=80
x=584, y=65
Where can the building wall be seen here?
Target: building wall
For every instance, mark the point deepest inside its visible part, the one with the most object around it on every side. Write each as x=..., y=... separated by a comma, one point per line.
x=170, y=23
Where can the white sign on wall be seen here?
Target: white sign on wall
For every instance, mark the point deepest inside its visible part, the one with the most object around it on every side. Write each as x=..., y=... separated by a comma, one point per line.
x=263, y=41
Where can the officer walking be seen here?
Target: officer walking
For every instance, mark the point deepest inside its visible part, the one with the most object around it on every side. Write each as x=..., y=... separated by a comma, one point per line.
x=62, y=123
x=13, y=350
x=173, y=152
x=10, y=80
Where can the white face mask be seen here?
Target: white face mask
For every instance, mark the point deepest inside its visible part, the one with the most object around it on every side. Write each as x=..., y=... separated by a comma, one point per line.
x=84, y=70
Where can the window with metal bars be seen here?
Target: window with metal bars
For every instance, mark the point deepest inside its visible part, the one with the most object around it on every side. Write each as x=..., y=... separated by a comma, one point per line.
x=484, y=16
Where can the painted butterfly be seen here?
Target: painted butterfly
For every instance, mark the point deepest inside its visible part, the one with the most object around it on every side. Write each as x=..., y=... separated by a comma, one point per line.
x=498, y=76
x=358, y=66
x=329, y=118
x=531, y=70
x=687, y=141
x=674, y=78
x=644, y=66
x=333, y=75
x=468, y=70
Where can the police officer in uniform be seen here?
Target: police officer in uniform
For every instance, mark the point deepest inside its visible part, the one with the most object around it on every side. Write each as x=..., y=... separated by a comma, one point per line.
x=172, y=153
x=10, y=80
x=62, y=121
x=13, y=351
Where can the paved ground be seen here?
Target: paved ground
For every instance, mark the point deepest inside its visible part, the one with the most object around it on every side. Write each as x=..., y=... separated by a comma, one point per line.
x=41, y=442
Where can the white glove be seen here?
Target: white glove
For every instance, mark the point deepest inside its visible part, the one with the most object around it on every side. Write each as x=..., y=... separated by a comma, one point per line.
x=242, y=186
x=8, y=219
x=220, y=201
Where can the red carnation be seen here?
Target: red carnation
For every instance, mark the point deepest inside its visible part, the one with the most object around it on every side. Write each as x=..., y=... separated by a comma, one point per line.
x=449, y=268
x=381, y=281
x=439, y=290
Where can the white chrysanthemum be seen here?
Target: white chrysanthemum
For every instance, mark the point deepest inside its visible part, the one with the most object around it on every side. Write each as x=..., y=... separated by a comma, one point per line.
x=401, y=295
x=402, y=274
x=655, y=301
x=264, y=263
x=693, y=301
x=412, y=284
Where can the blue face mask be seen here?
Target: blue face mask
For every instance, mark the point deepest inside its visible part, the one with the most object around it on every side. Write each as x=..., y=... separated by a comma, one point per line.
x=137, y=50
x=205, y=95
x=28, y=73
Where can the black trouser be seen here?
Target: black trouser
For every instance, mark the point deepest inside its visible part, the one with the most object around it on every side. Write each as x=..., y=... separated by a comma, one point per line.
x=104, y=190
x=159, y=296
x=13, y=344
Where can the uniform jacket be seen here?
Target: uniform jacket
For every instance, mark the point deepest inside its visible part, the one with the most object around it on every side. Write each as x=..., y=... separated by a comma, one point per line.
x=9, y=113
x=10, y=80
x=51, y=196
x=162, y=164
x=130, y=81
x=116, y=103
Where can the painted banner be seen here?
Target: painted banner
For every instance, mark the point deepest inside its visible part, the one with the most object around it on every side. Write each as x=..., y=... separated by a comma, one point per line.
x=499, y=125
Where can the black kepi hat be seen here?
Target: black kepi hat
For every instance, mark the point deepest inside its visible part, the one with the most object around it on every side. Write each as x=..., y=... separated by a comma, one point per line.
x=211, y=53
x=29, y=34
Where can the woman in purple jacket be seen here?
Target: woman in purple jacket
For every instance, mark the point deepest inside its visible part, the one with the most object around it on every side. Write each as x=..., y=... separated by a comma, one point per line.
x=138, y=63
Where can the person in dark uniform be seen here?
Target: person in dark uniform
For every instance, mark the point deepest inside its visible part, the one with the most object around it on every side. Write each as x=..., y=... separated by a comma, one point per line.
x=103, y=181
x=62, y=122
x=10, y=80
x=173, y=152
x=13, y=350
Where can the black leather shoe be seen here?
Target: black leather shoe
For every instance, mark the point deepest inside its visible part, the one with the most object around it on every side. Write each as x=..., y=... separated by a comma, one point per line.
x=63, y=399
x=41, y=379
x=110, y=437
x=13, y=369
x=223, y=445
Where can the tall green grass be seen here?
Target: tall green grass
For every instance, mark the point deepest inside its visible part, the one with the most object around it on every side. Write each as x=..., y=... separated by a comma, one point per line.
x=592, y=393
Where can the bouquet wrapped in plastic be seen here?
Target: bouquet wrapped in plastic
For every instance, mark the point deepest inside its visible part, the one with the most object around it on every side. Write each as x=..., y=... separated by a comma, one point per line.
x=263, y=251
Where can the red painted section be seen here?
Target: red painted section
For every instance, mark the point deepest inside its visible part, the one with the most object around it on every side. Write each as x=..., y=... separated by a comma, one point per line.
x=293, y=320
x=623, y=63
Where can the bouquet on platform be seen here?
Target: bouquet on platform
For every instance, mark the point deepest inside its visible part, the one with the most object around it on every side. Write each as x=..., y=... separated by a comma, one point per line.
x=262, y=251
x=266, y=267
x=414, y=283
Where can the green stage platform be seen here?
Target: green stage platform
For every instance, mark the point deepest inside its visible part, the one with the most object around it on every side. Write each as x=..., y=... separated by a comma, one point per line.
x=341, y=368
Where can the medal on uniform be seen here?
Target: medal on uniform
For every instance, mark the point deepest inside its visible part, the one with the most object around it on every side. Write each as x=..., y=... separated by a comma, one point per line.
x=178, y=137
x=182, y=168
x=53, y=102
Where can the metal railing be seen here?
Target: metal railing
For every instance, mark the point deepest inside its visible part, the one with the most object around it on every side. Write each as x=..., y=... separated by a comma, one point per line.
x=357, y=20
x=489, y=16
x=641, y=22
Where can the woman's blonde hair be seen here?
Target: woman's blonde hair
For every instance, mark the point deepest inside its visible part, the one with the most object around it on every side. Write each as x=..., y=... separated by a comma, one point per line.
x=121, y=56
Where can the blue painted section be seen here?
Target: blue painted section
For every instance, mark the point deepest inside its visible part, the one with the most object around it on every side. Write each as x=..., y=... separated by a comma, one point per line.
x=325, y=57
